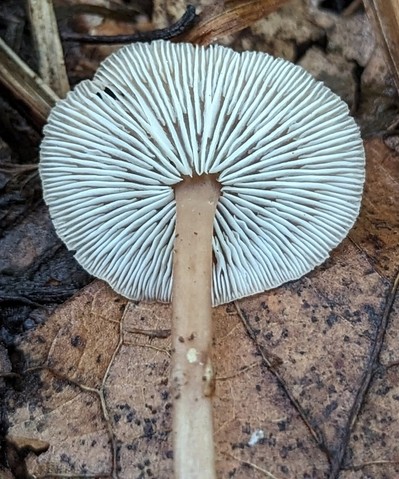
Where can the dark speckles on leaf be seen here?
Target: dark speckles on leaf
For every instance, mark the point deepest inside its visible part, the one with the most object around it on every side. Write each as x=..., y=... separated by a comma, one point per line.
x=65, y=458
x=77, y=341
x=383, y=390
x=117, y=418
x=284, y=469
x=164, y=395
x=269, y=336
x=246, y=429
x=371, y=313
x=284, y=451
x=284, y=333
x=238, y=445
x=330, y=408
x=41, y=426
x=148, y=428
x=332, y=389
x=282, y=425
x=332, y=319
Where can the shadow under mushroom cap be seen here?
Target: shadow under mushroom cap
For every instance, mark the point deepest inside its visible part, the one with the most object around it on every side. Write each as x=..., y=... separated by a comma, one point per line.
x=289, y=158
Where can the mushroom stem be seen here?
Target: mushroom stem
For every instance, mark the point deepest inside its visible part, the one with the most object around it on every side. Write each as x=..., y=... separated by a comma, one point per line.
x=192, y=371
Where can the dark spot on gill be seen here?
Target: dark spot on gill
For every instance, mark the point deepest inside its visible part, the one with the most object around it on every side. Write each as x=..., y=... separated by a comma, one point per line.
x=109, y=92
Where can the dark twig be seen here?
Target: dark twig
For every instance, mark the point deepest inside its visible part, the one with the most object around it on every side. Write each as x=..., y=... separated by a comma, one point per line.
x=352, y=8
x=315, y=432
x=36, y=296
x=186, y=21
x=151, y=333
x=358, y=467
x=365, y=382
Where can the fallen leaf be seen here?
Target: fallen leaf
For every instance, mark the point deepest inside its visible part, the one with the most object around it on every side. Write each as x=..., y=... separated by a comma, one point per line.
x=291, y=368
x=385, y=16
x=236, y=16
x=377, y=230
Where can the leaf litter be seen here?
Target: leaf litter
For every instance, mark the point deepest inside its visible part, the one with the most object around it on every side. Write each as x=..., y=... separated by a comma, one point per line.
x=293, y=363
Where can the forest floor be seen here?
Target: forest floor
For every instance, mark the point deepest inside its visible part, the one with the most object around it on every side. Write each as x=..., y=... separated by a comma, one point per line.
x=307, y=381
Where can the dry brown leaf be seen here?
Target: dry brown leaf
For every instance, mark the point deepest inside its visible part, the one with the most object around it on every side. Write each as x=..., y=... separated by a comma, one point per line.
x=385, y=15
x=377, y=230
x=290, y=364
x=236, y=16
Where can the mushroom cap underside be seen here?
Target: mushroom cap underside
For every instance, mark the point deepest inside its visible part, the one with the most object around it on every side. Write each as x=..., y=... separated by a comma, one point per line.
x=287, y=154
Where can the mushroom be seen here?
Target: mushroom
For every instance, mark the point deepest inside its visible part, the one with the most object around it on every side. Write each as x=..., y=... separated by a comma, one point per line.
x=201, y=176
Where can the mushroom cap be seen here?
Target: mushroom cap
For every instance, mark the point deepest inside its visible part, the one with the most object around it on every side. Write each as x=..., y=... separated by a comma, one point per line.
x=289, y=158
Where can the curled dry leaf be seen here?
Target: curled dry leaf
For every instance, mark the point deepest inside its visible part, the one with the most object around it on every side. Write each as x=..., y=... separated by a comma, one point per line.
x=385, y=14
x=236, y=16
x=376, y=231
x=96, y=380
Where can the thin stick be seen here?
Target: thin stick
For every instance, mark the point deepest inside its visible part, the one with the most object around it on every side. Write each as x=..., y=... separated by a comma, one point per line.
x=192, y=372
x=185, y=22
x=48, y=45
x=23, y=83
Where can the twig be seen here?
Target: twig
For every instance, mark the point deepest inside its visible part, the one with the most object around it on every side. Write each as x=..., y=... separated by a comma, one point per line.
x=36, y=296
x=148, y=346
x=151, y=333
x=9, y=375
x=185, y=22
x=365, y=382
x=251, y=464
x=48, y=45
x=25, y=85
x=238, y=373
x=352, y=8
x=70, y=476
x=357, y=467
x=315, y=432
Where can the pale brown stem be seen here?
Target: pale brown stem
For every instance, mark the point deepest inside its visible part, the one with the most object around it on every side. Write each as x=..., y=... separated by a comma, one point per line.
x=192, y=372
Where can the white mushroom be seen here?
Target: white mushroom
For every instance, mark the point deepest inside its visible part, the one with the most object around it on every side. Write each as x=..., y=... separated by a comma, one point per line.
x=255, y=167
